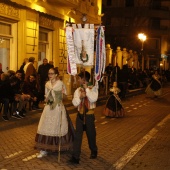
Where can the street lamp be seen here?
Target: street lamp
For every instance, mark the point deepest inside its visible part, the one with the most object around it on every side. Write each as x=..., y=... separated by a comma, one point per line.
x=142, y=38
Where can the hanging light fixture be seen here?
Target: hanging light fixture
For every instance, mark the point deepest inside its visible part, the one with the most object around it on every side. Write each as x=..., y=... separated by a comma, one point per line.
x=84, y=18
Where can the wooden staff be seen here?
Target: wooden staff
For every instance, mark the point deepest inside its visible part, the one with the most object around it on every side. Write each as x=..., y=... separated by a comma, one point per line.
x=84, y=108
x=116, y=82
x=59, y=144
x=115, y=103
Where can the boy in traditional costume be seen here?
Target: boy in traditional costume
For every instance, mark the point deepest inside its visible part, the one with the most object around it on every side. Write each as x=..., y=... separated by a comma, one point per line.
x=84, y=99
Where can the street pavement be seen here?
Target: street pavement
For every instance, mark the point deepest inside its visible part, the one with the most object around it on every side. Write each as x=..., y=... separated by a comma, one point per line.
x=139, y=141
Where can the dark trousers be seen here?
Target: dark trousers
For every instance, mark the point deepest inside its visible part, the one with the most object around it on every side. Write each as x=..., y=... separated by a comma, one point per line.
x=5, y=102
x=38, y=95
x=123, y=87
x=90, y=132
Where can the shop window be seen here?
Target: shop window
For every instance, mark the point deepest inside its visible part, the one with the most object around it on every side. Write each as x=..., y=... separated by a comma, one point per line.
x=42, y=48
x=5, y=35
x=5, y=29
x=5, y=54
x=43, y=36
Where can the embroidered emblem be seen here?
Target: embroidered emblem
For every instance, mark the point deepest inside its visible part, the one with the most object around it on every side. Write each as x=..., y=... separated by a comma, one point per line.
x=83, y=55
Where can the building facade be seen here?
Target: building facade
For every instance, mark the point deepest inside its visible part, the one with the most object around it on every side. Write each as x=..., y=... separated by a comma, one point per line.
x=37, y=28
x=125, y=19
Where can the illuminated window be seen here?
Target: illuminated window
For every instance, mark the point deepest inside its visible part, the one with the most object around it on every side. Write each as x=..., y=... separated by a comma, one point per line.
x=5, y=36
x=43, y=42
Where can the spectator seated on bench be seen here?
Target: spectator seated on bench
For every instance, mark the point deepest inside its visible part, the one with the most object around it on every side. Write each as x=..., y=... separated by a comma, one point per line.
x=30, y=87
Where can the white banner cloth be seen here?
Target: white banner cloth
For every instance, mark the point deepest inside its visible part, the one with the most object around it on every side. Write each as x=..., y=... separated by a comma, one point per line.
x=84, y=46
x=71, y=59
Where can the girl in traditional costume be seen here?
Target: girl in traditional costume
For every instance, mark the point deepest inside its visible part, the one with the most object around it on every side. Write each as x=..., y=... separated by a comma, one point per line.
x=55, y=130
x=114, y=106
x=155, y=87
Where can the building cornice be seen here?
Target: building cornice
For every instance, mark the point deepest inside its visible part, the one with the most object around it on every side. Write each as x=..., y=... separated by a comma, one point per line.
x=61, y=9
x=9, y=11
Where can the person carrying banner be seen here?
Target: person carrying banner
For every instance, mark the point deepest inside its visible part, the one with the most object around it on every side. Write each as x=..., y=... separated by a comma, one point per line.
x=84, y=99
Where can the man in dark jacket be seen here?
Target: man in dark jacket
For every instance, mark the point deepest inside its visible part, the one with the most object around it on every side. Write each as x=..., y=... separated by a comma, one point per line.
x=43, y=75
x=30, y=87
x=123, y=77
x=7, y=95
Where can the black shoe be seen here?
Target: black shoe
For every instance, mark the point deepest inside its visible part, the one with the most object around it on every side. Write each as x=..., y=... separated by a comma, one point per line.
x=93, y=155
x=74, y=160
x=34, y=108
x=21, y=114
x=5, y=118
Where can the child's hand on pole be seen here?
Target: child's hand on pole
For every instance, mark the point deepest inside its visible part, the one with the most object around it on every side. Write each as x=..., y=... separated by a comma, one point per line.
x=83, y=94
x=85, y=85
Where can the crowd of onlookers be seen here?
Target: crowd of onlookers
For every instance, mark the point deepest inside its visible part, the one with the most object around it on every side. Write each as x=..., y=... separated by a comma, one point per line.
x=22, y=88
x=131, y=78
x=26, y=86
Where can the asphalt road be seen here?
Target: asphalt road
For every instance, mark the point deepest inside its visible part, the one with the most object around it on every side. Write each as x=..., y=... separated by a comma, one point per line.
x=139, y=141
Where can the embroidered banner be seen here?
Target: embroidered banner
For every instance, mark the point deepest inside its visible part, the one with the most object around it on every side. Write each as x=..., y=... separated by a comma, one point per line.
x=71, y=59
x=84, y=46
x=80, y=44
x=100, y=53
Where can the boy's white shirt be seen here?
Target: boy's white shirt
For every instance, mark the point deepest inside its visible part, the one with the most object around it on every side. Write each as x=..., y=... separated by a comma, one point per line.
x=92, y=95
